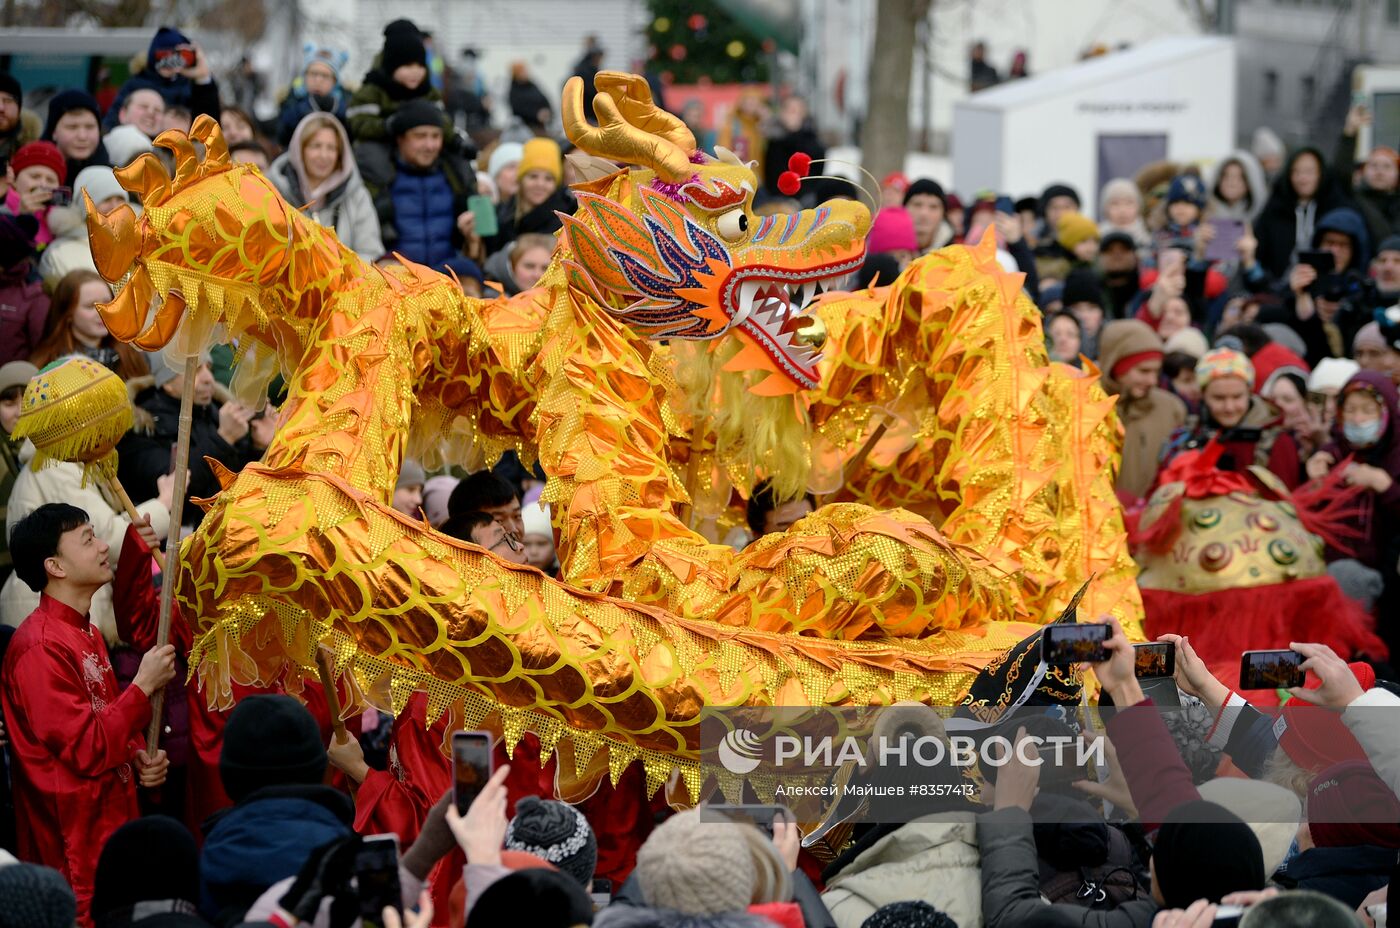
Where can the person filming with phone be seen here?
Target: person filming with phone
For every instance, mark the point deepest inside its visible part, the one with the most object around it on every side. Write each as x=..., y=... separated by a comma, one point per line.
x=177, y=70
x=1330, y=295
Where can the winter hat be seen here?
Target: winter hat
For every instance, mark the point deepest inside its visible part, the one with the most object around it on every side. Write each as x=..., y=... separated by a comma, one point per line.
x=1286, y=336
x=146, y=860
x=1274, y=361
x=463, y=267
x=403, y=27
x=892, y=230
x=1117, y=238
x=165, y=38
x=333, y=58
x=68, y=101
x=436, y=493
x=916, y=914
x=1348, y=805
x=1368, y=335
x=411, y=474
x=1269, y=810
x=1074, y=228
x=16, y=374
x=1058, y=190
x=402, y=47
x=1120, y=188
x=541, y=154
x=925, y=187
x=555, y=831
x=9, y=84
x=34, y=896
x=536, y=518
x=1190, y=340
x=161, y=370
x=16, y=238
x=1223, y=362
x=1082, y=286
x=1187, y=188
x=1389, y=243
x=40, y=154
x=696, y=867
x=1315, y=738
x=537, y=897
x=125, y=144
x=270, y=740
x=413, y=114
x=1124, y=344
x=1332, y=373
x=100, y=183
x=1204, y=851
x=504, y=155
x=897, y=181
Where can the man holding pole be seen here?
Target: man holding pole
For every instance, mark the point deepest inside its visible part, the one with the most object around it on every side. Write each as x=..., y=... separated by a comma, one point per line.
x=75, y=740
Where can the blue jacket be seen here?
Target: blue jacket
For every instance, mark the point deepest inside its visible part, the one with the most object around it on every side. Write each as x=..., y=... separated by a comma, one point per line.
x=1347, y=221
x=425, y=214
x=263, y=839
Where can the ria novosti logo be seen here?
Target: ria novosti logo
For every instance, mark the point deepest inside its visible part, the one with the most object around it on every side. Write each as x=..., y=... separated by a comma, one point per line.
x=739, y=751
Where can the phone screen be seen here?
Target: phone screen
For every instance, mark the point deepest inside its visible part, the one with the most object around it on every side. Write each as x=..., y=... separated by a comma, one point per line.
x=471, y=766
x=1073, y=644
x=1269, y=670
x=1228, y=233
x=1155, y=659
x=484, y=212
x=758, y=815
x=61, y=196
x=377, y=878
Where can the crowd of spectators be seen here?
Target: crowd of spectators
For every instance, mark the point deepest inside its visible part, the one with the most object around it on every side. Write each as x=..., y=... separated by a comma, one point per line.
x=1252, y=300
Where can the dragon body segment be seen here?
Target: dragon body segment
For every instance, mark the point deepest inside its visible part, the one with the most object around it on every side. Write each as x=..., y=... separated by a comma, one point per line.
x=677, y=349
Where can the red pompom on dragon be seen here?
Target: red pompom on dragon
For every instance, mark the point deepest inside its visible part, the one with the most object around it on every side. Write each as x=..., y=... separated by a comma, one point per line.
x=678, y=350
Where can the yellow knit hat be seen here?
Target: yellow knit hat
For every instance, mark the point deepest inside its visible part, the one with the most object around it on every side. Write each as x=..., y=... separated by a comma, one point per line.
x=542, y=154
x=1074, y=228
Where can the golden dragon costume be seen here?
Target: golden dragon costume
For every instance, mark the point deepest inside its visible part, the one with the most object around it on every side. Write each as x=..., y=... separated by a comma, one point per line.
x=667, y=356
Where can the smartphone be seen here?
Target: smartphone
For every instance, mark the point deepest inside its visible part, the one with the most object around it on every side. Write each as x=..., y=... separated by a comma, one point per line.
x=1228, y=233
x=760, y=816
x=1155, y=659
x=1069, y=643
x=471, y=766
x=61, y=196
x=484, y=212
x=181, y=57
x=377, y=879
x=1324, y=262
x=1271, y=670
x=601, y=892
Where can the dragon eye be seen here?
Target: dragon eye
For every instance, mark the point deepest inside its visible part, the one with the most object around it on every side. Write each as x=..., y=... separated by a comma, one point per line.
x=733, y=224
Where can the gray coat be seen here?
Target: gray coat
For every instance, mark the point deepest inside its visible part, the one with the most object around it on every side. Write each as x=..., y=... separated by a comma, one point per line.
x=1011, y=880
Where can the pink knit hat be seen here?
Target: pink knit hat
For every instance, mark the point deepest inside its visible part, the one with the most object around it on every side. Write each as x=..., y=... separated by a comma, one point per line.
x=892, y=230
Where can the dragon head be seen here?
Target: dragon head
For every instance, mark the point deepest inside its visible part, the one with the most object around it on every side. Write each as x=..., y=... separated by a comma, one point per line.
x=674, y=250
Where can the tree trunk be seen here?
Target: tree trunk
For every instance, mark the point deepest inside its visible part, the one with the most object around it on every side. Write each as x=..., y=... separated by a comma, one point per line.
x=885, y=140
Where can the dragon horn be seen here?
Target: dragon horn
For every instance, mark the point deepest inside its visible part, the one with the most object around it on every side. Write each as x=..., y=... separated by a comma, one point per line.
x=632, y=94
x=146, y=178
x=617, y=139
x=112, y=238
x=206, y=131
x=186, y=158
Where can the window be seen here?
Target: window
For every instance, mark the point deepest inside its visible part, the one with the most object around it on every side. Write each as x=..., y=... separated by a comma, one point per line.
x=1271, y=88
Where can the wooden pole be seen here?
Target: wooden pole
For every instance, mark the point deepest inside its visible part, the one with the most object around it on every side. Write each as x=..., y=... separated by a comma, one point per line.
x=323, y=668
x=172, y=544
x=114, y=486
x=854, y=463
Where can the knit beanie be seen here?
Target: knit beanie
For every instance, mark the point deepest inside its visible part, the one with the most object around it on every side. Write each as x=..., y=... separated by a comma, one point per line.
x=502, y=156
x=916, y=914
x=1190, y=341
x=402, y=47
x=925, y=187
x=68, y=101
x=1223, y=362
x=556, y=832
x=1082, y=286
x=536, y=897
x=1270, y=811
x=40, y=154
x=1186, y=188
x=536, y=518
x=1332, y=373
x=1074, y=228
x=1349, y=806
x=125, y=143
x=1058, y=190
x=541, y=154
x=411, y=474
x=1204, y=851
x=333, y=58
x=100, y=182
x=34, y=896
x=696, y=867
x=9, y=84
x=413, y=114
x=270, y=740
x=146, y=860
x=1389, y=243
x=892, y=230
